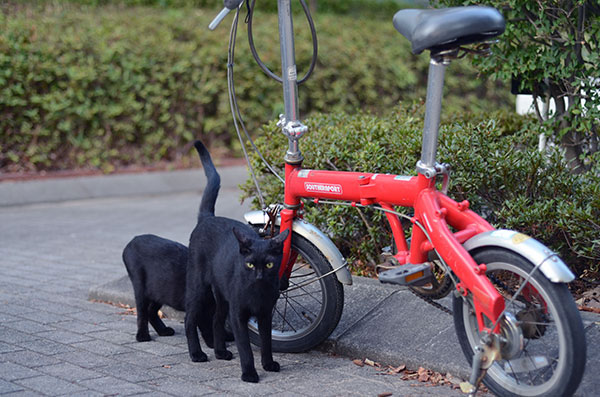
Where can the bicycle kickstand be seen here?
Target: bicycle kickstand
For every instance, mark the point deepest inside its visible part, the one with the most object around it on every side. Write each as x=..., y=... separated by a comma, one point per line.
x=485, y=355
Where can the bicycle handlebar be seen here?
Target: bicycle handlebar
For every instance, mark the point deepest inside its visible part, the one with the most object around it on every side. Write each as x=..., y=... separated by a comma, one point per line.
x=229, y=5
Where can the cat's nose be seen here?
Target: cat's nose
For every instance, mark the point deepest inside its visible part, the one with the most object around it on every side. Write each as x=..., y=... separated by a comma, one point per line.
x=259, y=274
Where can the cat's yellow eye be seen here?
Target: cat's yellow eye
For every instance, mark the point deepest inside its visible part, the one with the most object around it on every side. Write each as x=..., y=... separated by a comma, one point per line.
x=269, y=266
x=249, y=265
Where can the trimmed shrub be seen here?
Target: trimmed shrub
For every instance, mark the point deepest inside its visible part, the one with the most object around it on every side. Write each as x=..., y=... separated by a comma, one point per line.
x=381, y=8
x=495, y=166
x=107, y=87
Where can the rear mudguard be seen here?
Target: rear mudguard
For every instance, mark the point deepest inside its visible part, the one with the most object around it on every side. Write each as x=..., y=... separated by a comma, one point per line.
x=316, y=238
x=552, y=266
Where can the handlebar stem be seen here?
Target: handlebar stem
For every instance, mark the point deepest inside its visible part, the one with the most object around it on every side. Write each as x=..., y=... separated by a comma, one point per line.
x=289, y=74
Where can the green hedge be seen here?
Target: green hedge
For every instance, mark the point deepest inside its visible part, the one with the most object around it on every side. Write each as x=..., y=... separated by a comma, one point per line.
x=381, y=8
x=496, y=166
x=106, y=87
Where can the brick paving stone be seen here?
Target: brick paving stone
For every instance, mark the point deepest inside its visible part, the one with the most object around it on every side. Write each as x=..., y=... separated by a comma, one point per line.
x=111, y=336
x=23, y=393
x=244, y=388
x=50, y=385
x=85, y=359
x=91, y=317
x=64, y=336
x=130, y=372
x=147, y=360
x=9, y=335
x=69, y=372
x=6, y=318
x=197, y=371
x=88, y=393
x=7, y=348
x=28, y=326
x=79, y=327
x=45, y=346
x=111, y=385
x=155, y=347
x=8, y=387
x=12, y=371
x=101, y=347
x=51, y=307
x=28, y=358
x=42, y=317
x=176, y=387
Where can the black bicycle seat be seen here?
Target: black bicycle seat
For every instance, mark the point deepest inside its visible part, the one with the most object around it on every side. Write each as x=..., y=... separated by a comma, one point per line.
x=442, y=29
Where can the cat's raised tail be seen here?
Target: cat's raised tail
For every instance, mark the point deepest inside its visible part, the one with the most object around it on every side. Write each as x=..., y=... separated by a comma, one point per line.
x=213, y=181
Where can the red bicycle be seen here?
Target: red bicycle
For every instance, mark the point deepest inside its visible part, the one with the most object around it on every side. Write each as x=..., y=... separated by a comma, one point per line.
x=514, y=316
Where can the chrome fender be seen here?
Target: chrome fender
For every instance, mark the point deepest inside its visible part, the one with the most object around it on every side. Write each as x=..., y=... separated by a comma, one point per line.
x=316, y=238
x=552, y=266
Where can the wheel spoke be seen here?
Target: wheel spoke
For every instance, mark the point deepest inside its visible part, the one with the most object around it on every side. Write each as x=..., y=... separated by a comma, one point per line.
x=303, y=307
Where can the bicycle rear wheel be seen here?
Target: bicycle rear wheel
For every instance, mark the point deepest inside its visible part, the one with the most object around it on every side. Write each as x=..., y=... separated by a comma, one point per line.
x=308, y=311
x=552, y=359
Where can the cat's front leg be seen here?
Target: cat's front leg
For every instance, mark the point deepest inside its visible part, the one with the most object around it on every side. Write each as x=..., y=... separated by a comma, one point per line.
x=242, y=341
x=264, y=329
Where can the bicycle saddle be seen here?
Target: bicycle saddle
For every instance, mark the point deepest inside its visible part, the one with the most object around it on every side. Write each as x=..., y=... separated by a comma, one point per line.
x=442, y=29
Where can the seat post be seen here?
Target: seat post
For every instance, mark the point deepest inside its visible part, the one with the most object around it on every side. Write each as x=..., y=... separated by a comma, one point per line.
x=433, y=109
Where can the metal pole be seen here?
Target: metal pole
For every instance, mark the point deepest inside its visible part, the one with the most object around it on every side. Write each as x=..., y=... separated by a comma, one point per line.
x=433, y=110
x=288, y=60
x=290, y=124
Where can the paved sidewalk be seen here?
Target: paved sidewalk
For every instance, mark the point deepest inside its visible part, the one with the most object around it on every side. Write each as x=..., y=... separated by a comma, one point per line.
x=53, y=341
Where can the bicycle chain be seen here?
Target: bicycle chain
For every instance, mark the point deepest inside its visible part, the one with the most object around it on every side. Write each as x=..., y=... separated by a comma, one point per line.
x=444, y=308
x=431, y=302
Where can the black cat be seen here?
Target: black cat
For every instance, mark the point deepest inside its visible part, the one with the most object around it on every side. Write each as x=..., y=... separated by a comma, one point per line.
x=157, y=269
x=241, y=269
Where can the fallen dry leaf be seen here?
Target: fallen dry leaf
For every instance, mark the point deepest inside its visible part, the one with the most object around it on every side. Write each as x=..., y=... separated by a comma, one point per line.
x=424, y=377
x=385, y=394
x=359, y=362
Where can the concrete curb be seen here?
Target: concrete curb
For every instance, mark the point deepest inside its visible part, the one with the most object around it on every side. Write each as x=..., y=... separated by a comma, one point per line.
x=117, y=185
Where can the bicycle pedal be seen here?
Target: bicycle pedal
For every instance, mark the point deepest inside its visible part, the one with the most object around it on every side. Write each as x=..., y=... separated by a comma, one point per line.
x=407, y=274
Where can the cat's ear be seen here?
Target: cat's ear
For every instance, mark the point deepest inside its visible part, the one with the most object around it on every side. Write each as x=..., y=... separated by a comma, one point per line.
x=280, y=238
x=244, y=241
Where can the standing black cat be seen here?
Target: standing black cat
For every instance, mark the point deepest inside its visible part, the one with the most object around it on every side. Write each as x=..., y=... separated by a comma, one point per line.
x=157, y=269
x=241, y=269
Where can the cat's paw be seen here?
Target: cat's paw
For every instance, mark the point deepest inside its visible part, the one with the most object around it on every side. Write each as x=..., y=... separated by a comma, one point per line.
x=223, y=354
x=143, y=337
x=167, y=331
x=250, y=377
x=199, y=357
x=273, y=366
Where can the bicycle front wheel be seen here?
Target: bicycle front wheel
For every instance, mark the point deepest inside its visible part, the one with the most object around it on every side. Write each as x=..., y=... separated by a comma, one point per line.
x=308, y=311
x=546, y=324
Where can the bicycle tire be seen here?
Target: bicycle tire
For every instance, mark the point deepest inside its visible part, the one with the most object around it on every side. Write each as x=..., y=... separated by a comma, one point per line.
x=305, y=316
x=553, y=334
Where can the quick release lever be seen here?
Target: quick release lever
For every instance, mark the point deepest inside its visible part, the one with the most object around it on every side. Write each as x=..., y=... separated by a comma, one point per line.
x=229, y=5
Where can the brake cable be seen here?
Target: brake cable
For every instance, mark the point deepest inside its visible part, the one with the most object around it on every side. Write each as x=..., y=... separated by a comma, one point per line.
x=313, y=32
x=235, y=110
